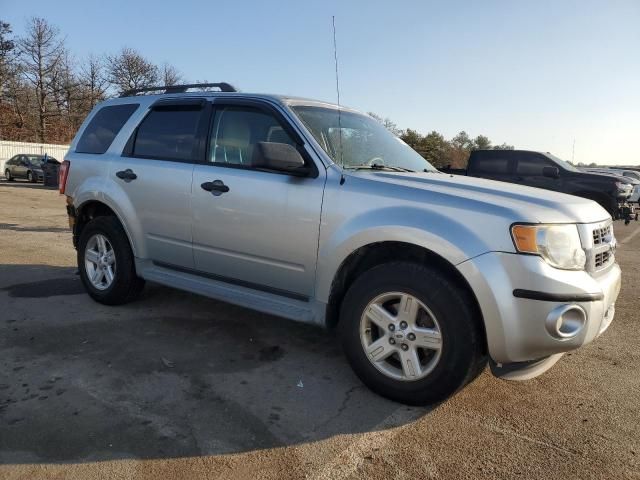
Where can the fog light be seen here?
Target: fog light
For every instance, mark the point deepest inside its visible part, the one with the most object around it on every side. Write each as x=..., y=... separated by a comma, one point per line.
x=565, y=321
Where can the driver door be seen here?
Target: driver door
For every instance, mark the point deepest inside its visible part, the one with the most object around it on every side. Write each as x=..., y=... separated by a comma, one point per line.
x=257, y=228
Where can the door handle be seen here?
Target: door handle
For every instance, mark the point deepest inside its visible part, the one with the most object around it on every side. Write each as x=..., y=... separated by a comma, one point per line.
x=126, y=175
x=217, y=187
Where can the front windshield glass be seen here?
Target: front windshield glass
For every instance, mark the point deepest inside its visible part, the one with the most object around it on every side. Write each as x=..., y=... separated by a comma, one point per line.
x=564, y=163
x=354, y=140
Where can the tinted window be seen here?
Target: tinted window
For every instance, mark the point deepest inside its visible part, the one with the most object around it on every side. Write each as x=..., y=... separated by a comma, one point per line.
x=492, y=164
x=168, y=133
x=103, y=128
x=236, y=132
x=532, y=165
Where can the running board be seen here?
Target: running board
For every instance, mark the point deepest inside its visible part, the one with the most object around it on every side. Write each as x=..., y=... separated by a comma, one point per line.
x=273, y=304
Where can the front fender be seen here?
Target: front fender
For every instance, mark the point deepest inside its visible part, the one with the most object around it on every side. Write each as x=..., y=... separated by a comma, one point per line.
x=445, y=236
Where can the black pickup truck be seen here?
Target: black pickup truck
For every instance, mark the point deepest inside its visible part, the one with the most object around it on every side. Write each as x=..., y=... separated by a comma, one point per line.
x=544, y=170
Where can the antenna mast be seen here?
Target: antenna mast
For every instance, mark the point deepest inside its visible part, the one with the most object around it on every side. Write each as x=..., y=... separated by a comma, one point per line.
x=335, y=58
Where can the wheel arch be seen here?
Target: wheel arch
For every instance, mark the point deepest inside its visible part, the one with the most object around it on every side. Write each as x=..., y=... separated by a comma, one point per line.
x=373, y=254
x=91, y=209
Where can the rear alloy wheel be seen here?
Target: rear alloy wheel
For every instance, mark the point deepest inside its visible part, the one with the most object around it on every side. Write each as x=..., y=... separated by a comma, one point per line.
x=412, y=333
x=106, y=263
x=30, y=176
x=100, y=262
x=7, y=175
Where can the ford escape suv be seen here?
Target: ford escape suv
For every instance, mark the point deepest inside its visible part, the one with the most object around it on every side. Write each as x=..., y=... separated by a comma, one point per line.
x=316, y=213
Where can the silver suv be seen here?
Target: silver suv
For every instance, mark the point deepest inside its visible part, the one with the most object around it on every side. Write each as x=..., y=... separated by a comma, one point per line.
x=316, y=213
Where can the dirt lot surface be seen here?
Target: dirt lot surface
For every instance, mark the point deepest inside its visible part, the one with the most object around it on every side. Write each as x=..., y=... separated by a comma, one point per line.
x=178, y=386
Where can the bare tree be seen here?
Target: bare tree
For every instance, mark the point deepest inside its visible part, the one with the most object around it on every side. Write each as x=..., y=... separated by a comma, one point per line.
x=387, y=123
x=7, y=56
x=41, y=52
x=128, y=69
x=170, y=75
x=93, y=80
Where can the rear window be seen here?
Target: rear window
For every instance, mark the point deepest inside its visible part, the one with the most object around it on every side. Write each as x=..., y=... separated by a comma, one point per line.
x=103, y=128
x=491, y=164
x=168, y=134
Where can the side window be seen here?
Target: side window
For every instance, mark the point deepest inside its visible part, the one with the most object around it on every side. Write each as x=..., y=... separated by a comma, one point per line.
x=532, y=165
x=236, y=132
x=103, y=128
x=497, y=164
x=168, y=134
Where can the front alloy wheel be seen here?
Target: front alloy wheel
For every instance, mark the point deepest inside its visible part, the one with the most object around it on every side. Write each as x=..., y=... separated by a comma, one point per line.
x=411, y=332
x=401, y=336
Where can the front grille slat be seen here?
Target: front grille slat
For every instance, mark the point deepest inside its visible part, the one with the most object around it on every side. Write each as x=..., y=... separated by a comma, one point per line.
x=599, y=234
x=601, y=256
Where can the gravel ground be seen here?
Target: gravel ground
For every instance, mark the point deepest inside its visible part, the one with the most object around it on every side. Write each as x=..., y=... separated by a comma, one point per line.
x=178, y=386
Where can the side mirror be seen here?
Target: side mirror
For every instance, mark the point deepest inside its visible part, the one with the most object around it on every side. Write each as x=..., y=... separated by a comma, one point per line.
x=280, y=157
x=551, y=172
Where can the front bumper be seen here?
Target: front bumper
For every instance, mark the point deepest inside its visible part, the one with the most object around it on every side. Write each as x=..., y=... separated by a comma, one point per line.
x=518, y=327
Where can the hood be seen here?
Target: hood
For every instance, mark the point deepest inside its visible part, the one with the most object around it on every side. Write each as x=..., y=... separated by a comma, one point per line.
x=513, y=202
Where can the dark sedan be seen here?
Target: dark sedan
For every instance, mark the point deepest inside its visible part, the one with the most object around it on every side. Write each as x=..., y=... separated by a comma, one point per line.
x=27, y=166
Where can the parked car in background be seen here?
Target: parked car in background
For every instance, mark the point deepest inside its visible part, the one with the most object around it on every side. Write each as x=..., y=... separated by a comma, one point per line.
x=317, y=213
x=544, y=170
x=632, y=175
x=27, y=166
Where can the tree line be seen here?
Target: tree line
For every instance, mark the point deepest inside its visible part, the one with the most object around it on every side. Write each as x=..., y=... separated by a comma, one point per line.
x=46, y=92
x=439, y=151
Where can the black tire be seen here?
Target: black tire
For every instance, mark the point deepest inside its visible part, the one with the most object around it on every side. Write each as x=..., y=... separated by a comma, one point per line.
x=7, y=175
x=126, y=284
x=30, y=177
x=463, y=355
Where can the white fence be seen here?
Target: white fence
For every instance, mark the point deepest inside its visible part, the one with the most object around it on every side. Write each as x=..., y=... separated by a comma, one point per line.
x=9, y=149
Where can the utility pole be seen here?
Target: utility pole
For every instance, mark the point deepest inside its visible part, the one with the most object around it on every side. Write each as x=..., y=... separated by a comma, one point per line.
x=573, y=152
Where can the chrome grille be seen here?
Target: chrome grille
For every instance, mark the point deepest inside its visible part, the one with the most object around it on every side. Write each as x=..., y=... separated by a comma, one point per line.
x=600, y=252
x=601, y=259
x=599, y=234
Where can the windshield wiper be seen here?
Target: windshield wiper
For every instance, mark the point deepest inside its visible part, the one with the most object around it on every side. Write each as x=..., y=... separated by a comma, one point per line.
x=377, y=166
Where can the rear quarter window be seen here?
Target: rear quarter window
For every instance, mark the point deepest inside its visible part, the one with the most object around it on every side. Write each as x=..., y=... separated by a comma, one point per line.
x=103, y=128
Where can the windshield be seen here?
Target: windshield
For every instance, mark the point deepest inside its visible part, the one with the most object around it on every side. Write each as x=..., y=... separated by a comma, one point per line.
x=354, y=140
x=566, y=165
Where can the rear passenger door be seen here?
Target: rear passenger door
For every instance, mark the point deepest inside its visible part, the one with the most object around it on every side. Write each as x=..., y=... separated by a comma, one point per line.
x=156, y=171
x=21, y=167
x=259, y=228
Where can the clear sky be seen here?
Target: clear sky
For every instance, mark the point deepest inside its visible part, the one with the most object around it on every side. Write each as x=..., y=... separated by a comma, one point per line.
x=535, y=74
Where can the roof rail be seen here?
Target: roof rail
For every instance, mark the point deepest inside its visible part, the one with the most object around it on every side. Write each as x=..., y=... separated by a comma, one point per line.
x=224, y=87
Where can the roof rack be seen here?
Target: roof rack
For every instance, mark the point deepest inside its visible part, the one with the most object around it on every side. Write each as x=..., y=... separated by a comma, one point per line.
x=224, y=87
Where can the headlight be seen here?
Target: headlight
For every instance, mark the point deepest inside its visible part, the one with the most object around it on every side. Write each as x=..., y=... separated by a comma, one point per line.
x=559, y=245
